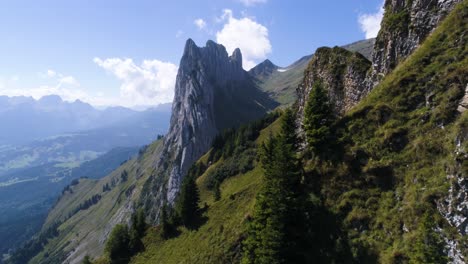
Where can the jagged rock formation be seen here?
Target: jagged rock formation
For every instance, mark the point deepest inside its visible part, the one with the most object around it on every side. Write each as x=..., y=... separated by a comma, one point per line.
x=281, y=82
x=212, y=93
x=342, y=73
x=405, y=25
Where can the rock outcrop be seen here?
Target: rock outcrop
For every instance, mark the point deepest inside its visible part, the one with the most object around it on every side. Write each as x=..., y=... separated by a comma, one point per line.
x=341, y=72
x=405, y=25
x=454, y=206
x=212, y=93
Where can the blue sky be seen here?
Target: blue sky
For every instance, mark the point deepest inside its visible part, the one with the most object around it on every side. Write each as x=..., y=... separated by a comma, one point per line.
x=126, y=52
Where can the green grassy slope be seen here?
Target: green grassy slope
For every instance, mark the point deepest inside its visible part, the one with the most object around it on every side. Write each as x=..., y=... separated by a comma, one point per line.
x=83, y=232
x=24, y=205
x=218, y=239
x=397, y=146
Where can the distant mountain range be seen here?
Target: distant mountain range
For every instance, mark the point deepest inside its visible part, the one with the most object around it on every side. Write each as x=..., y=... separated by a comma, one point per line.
x=47, y=143
x=25, y=119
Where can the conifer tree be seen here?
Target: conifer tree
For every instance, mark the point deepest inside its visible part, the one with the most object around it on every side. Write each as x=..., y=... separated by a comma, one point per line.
x=86, y=260
x=187, y=204
x=318, y=117
x=166, y=227
x=117, y=245
x=277, y=223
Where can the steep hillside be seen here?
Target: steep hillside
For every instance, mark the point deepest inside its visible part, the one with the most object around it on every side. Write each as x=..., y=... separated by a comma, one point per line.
x=212, y=93
x=218, y=239
x=388, y=185
x=82, y=218
x=399, y=152
x=26, y=199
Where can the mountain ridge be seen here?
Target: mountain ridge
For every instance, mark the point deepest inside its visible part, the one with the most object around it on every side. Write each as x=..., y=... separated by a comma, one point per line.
x=405, y=119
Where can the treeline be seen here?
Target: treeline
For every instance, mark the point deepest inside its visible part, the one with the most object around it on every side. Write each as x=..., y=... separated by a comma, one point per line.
x=85, y=205
x=237, y=148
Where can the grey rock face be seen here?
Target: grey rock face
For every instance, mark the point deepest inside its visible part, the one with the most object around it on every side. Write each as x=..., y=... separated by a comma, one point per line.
x=454, y=207
x=193, y=125
x=212, y=93
x=463, y=104
x=405, y=25
x=341, y=72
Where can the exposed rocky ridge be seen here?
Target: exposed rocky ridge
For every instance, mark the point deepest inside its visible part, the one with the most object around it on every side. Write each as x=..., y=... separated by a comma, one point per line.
x=405, y=25
x=342, y=73
x=281, y=82
x=264, y=69
x=212, y=93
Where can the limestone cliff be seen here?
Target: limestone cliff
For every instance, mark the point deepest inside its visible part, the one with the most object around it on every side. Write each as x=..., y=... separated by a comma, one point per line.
x=342, y=73
x=212, y=93
x=405, y=25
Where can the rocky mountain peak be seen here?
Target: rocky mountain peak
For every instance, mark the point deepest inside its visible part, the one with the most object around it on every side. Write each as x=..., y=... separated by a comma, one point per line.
x=264, y=69
x=212, y=93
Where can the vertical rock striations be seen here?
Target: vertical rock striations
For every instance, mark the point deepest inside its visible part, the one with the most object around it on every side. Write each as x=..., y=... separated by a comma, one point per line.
x=212, y=93
x=405, y=25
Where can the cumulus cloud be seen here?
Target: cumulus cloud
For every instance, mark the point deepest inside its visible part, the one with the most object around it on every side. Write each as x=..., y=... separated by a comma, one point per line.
x=67, y=87
x=252, y=2
x=145, y=85
x=370, y=23
x=200, y=23
x=248, y=35
x=150, y=83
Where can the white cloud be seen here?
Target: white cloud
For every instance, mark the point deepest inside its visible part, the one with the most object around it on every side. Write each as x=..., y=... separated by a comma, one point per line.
x=150, y=83
x=68, y=80
x=67, y=87
x=51, y=73
x=370, y=23
x=252, y=2
x=200, y=23
x=179, y=33
x=66, y=93
x=248, y=35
